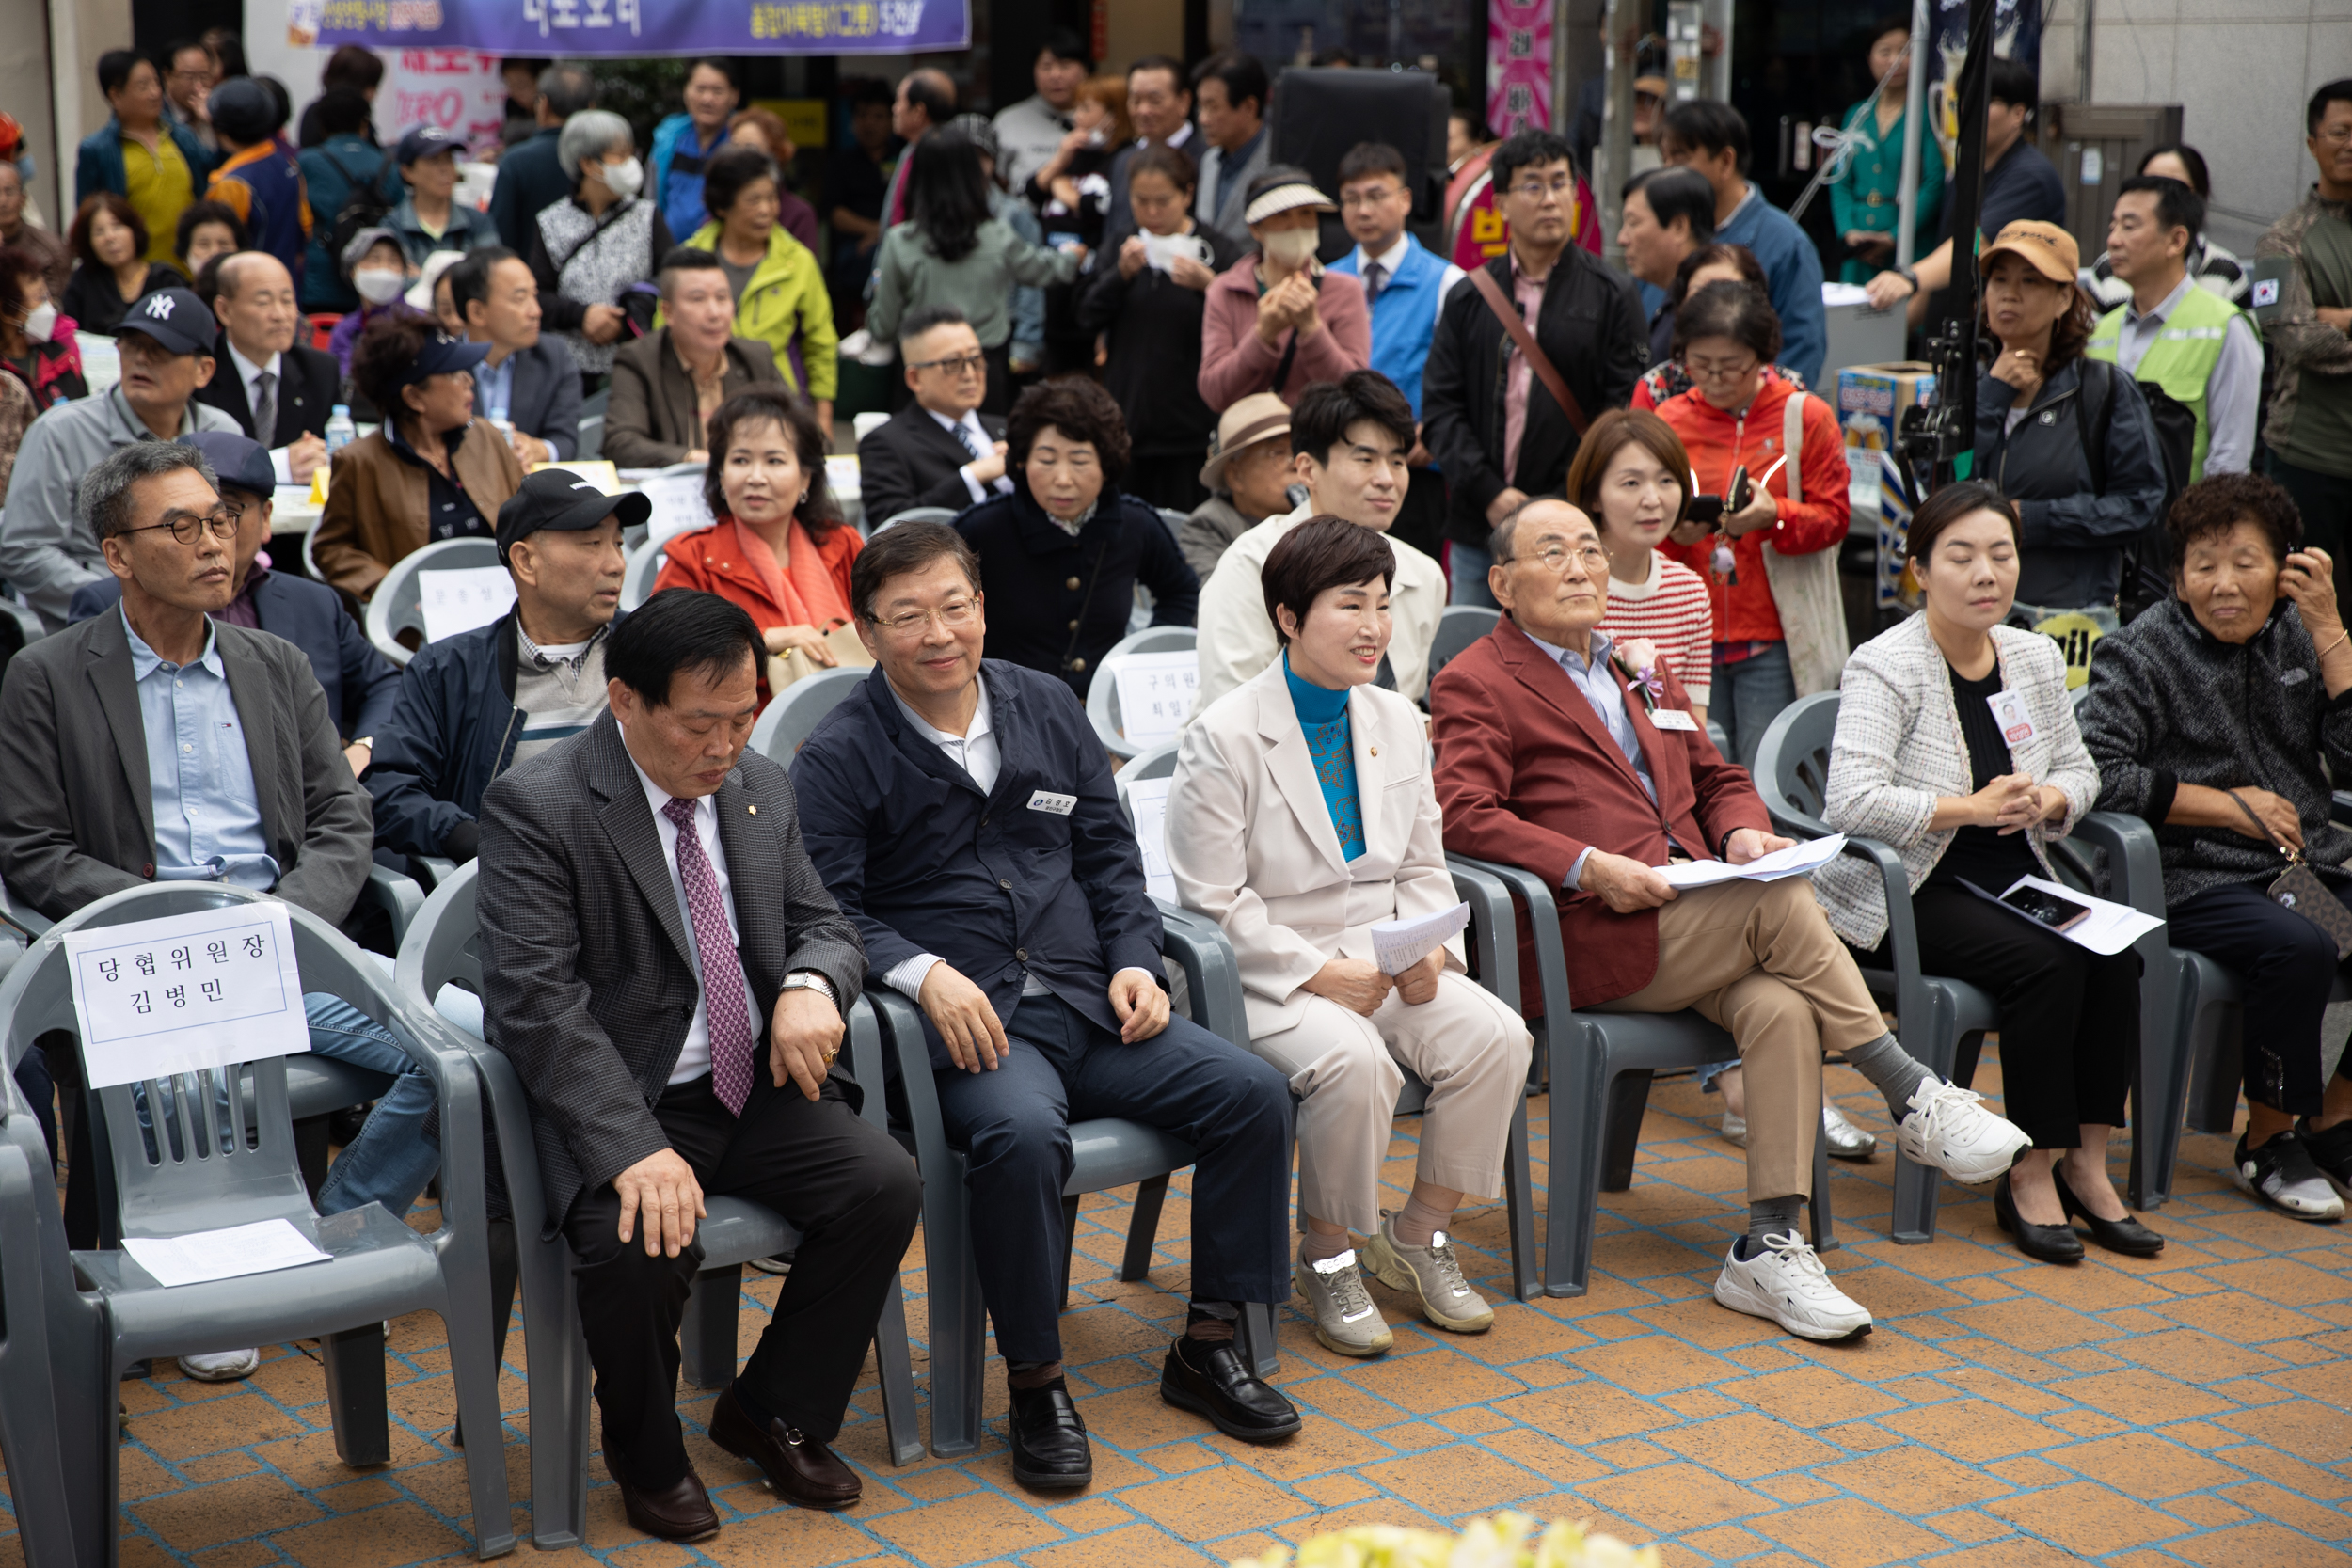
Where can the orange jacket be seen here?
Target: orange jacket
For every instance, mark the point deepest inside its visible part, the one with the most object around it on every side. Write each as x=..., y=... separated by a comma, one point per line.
x=1717, y=442
x=709, y=560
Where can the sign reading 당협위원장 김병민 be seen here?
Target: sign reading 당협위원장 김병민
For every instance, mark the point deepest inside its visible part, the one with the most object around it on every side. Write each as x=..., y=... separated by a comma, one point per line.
x=628, y=27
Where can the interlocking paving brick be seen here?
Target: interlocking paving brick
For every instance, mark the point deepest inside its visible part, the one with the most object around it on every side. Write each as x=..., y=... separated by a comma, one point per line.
x=2087, y=1517
x=1849, y=1533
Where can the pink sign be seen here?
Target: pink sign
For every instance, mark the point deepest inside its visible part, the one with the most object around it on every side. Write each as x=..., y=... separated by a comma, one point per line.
x=458, y=89
x=1519, y=65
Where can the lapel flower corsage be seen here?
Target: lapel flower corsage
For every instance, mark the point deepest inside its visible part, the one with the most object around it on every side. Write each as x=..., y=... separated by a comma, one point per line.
x=1638, y=660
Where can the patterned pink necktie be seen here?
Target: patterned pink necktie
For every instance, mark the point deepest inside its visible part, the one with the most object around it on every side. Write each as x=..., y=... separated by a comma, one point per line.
x=723, y=1003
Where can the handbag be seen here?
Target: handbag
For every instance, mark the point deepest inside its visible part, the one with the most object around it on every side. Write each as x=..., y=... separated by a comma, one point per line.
x=841, y=642
x=1804, y=588
x=2298, y=888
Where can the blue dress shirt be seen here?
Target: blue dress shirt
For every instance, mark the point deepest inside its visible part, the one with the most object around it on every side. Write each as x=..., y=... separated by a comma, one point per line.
x=207, y=814
x=1591, y=676
x=494, y=388
x=1323, y=715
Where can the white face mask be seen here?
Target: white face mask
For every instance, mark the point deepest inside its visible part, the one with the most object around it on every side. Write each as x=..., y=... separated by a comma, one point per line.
x=1291, y=247
x=41, y=321
x=379, y=285
x=625, y=179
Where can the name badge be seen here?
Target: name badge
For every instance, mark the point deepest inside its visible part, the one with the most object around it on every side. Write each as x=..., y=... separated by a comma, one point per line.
x=2009, y=712
x=1673, y=719
x=1060, y=805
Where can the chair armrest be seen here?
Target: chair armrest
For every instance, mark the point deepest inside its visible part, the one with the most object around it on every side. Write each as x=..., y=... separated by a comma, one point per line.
x=437, y=870
x=1494, y=929
x=400, y=898
x=1543, y=916
x=2340, y=807
x=1902, y=930
x=31, y=923
x=2132, y=855
x=1212, y=973
x=901, y=1024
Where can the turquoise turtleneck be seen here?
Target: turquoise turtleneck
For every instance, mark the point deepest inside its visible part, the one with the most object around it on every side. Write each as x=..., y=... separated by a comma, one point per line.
x=1323, y=715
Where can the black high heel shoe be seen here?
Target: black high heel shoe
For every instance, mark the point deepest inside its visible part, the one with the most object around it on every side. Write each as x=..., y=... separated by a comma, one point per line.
x=2126, y=1235
x=2047, y=1244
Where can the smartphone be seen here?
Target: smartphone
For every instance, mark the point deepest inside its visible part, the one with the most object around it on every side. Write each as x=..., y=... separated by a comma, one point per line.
x=1739, y=494
x=2048, y=907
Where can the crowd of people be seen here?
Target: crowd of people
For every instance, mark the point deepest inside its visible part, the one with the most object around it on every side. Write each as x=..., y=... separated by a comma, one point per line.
x=1128, y=377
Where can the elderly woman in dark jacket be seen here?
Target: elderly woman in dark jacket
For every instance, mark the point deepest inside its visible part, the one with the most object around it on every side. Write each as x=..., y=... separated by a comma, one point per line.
x=2212, y=716
x=1061, y=556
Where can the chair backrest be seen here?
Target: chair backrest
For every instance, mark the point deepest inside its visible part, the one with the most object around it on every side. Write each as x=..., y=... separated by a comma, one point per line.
x=591, y=437
x=637, y=578
x=1792, y=763
x=1103, y=709
x=793, y=715
x=1458, y=627
x=444, y=942
x=310, y=561
x=398, y=603
x=1157, y=763
x=919, y=514
x=1174, y=520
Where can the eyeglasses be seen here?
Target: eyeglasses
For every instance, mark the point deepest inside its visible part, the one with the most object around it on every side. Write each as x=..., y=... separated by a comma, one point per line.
x=962, y=364
x=1535, y=190
x=1553, y=558
x=2337, y=136
x=187, y=529
x=1718, y=369
x=956, y=615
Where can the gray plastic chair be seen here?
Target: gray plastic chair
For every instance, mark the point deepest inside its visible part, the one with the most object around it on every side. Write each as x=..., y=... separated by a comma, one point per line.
x=793, y=714
x=1174, y=520
x=195, y=1180
x=50, y=1353
x=26, y=621
x=396, y=605
x=1458, y=627
x=637, y=577
x=1103, y=687
x=445, y=950
x=920, y=515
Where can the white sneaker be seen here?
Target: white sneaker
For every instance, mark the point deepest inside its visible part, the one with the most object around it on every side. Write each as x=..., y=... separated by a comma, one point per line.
x=1346, y=1319
x=1949, y=1128
x=1846, y=1141
x=1433, y=1274
x=2283, y=1174
x=1785, y=1281
x=225, y=1366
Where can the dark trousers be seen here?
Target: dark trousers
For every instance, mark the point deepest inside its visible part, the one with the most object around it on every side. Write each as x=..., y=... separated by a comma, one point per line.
x=1014, y=1124
x=853, y=1194
x=2286, y=966
x=2326, y=502
x=2070, y=1018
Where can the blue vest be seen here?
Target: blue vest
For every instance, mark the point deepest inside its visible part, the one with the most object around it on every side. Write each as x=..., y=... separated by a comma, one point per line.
x=1405, y=317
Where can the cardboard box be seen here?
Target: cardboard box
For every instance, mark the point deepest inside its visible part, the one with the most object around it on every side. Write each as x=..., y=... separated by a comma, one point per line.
x=1872, y=400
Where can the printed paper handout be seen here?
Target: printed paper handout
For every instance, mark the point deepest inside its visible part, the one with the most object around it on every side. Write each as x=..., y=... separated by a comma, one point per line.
x=1795, y=861
x=232, y=1254
x=2101, y=925
x=186, y=992
x=1397, y=946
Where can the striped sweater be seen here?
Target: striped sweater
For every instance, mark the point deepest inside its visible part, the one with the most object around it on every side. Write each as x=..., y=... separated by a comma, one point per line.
x=1672, y=611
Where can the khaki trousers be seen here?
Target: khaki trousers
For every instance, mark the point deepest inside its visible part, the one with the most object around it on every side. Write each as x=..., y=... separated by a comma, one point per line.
x=1467, y=1044
x=1759, y=960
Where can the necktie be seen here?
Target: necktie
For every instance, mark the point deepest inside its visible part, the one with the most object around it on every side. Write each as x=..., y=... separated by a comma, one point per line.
x=1376, y=278
x=265, y=409
x=971, y=442
x=724, y=1004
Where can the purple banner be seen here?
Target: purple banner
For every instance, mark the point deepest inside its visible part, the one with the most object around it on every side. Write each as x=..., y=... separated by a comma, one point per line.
x=630, y=27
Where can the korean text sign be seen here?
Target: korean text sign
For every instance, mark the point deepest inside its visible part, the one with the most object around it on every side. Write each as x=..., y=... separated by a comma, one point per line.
x=629, y=27
x=186, y=992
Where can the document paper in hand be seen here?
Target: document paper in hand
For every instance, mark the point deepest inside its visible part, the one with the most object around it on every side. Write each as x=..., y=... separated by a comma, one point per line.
x=1397, y=946
x=230, y=1254
x=1795, y=861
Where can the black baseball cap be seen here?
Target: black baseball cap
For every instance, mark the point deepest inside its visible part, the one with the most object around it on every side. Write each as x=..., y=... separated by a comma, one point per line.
x=560, y=499
x=442, y=354
x=174, y=318
x=237, y=460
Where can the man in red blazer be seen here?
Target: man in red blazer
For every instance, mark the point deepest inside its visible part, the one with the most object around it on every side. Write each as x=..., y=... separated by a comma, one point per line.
x=1549, y=757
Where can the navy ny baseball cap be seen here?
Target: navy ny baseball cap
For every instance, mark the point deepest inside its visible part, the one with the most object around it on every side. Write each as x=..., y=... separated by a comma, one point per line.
x=174, y=318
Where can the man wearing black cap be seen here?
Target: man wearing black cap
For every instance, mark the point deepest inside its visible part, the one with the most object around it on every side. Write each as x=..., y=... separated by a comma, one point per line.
x=167, y=344
x=472, y=706
x=259, y=180
x=429, y=217
x=361, y=682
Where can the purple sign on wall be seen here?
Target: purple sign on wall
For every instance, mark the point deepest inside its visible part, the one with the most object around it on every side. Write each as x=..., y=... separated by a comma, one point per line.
x=629, y=27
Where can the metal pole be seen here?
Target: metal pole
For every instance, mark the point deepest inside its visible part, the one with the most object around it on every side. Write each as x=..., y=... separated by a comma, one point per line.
x=1915, y=133
x=1615, y=163
x=1975, y=95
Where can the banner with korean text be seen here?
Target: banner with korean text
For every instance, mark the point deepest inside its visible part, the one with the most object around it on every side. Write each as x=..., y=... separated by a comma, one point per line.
x=632, y=28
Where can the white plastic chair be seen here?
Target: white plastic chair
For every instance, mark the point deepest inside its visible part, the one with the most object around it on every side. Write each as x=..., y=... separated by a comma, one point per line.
x=637, y=578
x=919, y=514
x=1103, y=691
x=792, y=717
x=397, y=604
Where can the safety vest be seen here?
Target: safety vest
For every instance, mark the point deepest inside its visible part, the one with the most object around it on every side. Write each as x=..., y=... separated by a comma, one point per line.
x=2182, y=358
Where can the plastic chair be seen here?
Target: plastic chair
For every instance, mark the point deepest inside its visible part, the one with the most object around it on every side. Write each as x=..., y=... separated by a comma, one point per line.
x=323, y=324
x=196, y=1180
x=397, y=604
x=1102, y=710
x=1941, y=1022
x=1458, y=627
x=27, y=623
x=50, y=1354
x=637, y=577
x=591, y=437
x=445, y=951
x=792, y=715
x=919, y=514
x=1174, y=520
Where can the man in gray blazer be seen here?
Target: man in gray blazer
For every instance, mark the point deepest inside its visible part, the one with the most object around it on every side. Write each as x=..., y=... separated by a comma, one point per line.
x=530, y=381
x=671, y=978
x=1231, y=89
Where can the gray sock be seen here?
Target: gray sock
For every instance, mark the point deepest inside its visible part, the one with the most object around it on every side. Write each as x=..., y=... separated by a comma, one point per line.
x=1769, y=1216
x=1894, y=1071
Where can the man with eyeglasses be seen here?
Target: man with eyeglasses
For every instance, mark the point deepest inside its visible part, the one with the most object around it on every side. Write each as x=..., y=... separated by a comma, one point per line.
x=46, y=553
x=961, y=813
x=161, y=741
x=939, y=450
x=1586, y=322
x=1565, y=752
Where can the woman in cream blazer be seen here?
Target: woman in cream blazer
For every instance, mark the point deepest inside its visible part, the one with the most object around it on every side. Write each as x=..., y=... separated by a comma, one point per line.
x=1302, y=813
x=1956, y=746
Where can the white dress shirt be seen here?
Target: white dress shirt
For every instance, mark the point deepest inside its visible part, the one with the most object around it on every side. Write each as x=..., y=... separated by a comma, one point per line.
x=1393, y=258
x=971, y=421
x=694, y=1058
x=247, y=371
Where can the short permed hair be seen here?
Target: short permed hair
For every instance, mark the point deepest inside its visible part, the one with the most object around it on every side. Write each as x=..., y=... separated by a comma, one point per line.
x=680, y=631
x=1081, y=410
x=735, y=170
x=77, y=236
x=1321, y=553
x=1327, y=410
x=2219, y=504
x=387, y=348
x=105, y=497
x=1739, y=311
x=898, y=548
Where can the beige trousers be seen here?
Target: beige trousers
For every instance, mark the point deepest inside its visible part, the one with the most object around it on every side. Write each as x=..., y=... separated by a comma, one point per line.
x=1467, y=1045
x=1759, y=960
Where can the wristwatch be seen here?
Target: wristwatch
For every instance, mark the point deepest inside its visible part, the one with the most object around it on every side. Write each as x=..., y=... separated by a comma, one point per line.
x=808, y=979
x=1909, y=276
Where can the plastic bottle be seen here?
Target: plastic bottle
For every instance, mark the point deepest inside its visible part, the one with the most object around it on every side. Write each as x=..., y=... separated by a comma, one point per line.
x=340, y=431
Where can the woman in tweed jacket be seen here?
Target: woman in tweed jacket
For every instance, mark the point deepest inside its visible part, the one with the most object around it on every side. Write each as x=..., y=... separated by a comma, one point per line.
x=1956, y=746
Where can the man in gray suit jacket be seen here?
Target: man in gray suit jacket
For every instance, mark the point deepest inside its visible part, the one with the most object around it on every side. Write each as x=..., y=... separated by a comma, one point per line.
x=1231, y=89
x=670, y=980
x=530, y=379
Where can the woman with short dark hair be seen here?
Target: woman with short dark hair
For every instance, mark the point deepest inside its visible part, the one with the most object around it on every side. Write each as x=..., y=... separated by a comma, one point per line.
x=37, y=342
x=779, y=289
x=1304, y=813
x=2218, y=715
x=111, y=271
x=1061, y=556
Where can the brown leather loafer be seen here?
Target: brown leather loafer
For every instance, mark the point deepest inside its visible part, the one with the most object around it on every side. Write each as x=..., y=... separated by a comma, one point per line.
x=801, y=1468
x=679, y=1513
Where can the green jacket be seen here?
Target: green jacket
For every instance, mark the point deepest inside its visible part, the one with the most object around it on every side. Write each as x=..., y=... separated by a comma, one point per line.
x=2311, y=398
x=786, y=307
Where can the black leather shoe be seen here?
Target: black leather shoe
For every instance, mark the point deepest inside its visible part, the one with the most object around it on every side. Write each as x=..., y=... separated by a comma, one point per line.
x=2047, y=1244
x=801, y=1468
x=2126, y=1235
x=677, y=1512
x=1049, y=1439
x=1213, y=1381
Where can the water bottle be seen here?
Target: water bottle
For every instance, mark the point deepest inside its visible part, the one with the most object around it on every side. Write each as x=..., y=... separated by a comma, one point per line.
x=340, y=431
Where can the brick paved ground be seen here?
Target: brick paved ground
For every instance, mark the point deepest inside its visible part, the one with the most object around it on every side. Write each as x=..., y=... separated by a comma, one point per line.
x=2190, y=1409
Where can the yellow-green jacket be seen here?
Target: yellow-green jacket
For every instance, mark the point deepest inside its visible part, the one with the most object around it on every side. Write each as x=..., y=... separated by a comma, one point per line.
x=786, y=307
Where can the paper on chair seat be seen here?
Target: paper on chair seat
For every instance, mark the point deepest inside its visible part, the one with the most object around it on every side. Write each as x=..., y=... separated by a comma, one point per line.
x=1397, y=946
x=1795, y=861
x=1147, y=798
x=232, y=1254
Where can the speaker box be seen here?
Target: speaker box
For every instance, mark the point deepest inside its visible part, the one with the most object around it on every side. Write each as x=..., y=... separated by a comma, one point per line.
x=1320, y=113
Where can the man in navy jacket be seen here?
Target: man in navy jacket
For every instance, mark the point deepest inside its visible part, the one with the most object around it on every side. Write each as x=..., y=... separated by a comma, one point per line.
x=361, y=682
x=961, y=813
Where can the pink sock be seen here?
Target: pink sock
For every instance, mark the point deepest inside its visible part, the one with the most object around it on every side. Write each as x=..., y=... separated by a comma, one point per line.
x=1417, y=1223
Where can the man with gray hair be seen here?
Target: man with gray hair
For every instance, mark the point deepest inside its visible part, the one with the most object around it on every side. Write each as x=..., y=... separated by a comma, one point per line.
x=154, y=743
x=529, y=178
